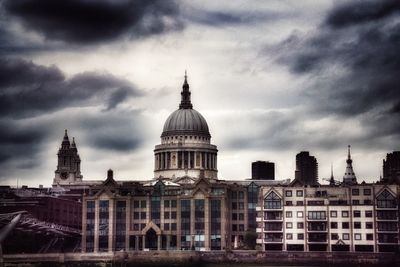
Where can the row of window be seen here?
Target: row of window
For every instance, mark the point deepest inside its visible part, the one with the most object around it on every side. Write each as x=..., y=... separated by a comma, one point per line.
x=238, y=227
x=237, y=216
x=334, y=236
x=238, y=205
x=289, y=193
x=356, y=191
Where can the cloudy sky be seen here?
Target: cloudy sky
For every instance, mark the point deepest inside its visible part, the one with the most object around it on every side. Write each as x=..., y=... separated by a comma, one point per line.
x=272, y=78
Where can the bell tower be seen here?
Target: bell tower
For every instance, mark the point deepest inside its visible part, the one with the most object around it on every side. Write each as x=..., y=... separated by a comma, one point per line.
x=69, y=163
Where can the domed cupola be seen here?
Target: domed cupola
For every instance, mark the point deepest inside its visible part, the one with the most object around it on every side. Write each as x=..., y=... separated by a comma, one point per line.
x=186, y=120
x=185, y=148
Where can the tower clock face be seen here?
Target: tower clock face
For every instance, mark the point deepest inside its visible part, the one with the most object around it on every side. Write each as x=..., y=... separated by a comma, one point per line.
x=64, y=175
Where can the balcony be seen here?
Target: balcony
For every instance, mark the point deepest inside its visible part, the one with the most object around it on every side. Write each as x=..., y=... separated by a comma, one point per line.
x=317, y=227
x=273, y=216
x=317, y=238
x=273, y=240
x=273, y=227
x=316, y=218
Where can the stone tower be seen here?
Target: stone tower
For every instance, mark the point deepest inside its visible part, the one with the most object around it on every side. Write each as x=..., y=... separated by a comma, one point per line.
x=69, y=163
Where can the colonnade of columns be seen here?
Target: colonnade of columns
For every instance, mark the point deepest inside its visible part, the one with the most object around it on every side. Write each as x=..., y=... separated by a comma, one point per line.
x=186, y=160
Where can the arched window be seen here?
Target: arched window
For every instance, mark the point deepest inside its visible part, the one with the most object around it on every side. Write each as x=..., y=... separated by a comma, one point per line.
x=272, y=201
x=386, y=200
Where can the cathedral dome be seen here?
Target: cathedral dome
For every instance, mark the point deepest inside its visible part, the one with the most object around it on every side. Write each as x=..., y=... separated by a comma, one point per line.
x=186, y=121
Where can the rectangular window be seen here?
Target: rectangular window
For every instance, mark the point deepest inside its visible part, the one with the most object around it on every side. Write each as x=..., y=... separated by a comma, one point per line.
x=166, y=203
x=173, y=226
x=317, y=215
x=367, y=191
x=346, y=236
x=288, y=193
x=368, y=213
x=234, y=216
x=289, y=225
x=241, y=216
x=289, y=203
x=334, y=225
x=241, y=205
x=300, y=236
x=136, y=215
x=356, y=213
x=370, y=237
x=166, y=226
x=355, y=202
x=357, y=225
x=166, y=215
x=288, y=214
x=299, y=193
x=334, y=236
x=136, y=204
x=143, y=204
x=241, y=195
x=345, y=225
x=300, y=225
x=234, y=205
x=299, y=214
x=241, y=227
x=289, y=236
x=143, y=215
x=173, y=215
x=345, y=213
x=355, y=192
x=369, y=225
x=299, y=203
x=333, y=213
x=357, y=236
x=173, y=203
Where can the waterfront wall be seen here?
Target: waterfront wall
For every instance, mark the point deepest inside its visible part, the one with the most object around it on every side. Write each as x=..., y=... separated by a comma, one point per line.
x=213, y=258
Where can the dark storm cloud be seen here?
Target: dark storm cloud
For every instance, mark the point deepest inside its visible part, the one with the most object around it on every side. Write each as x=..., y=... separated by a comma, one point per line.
x=353, y=63
x=361, y=12
x=91, y=21
x=28, y=89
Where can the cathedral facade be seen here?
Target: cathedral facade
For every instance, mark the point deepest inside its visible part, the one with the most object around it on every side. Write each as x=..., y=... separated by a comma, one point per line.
x=186, y=207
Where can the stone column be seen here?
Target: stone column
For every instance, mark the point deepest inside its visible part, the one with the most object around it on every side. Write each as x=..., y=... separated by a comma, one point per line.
x=192, y=220
x=178, y=224
x=127, y=223
x=84, y=219
x=96, y=226
x=168, y=241
x=143, y=242
x=111, y=225
x=224, y=230
x=159, y=242
x=207, y=220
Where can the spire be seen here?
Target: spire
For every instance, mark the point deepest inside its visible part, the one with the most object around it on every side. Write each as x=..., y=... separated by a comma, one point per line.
x=185, y=95
x=349, y=176
x=73, y=145
x=65, y=143
x=332, y=179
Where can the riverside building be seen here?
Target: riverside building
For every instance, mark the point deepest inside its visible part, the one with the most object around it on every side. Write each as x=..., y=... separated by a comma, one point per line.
x=186, y=207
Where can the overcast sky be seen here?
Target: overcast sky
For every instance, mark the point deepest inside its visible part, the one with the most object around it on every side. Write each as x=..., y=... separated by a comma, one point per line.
x=272, y=78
